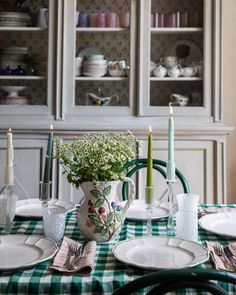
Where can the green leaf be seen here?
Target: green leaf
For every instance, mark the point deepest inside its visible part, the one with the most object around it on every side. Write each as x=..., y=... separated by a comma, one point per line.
x=95, y=219
x=118, y=216
x=107, y=190
x=96, y=193
x=104, y=231
x=99, y=202
x=110, y=219
x=99, y=229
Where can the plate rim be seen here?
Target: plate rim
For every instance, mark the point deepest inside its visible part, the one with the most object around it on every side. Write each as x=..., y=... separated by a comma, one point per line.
x=53, y=244
x=158, y=237
x=213, y=231
x=185, y=41
x=37, y=201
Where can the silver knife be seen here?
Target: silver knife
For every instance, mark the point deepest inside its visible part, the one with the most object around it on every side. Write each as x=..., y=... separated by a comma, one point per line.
x=230, y=256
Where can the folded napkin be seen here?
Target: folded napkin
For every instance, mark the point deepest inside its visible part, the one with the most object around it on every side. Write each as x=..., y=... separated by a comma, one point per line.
x=220, y=260
x=204, y=211
x=66, y=258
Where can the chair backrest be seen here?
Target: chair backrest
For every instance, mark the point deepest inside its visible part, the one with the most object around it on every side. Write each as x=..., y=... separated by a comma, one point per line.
x=171, y=280
x=138, y=164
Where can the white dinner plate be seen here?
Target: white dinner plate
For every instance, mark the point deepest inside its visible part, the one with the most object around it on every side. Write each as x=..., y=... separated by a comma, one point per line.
x=222, y=223
x=160, y=252
x=33, y=207
x=137, y=210
x=24, y=251
x=195, y=53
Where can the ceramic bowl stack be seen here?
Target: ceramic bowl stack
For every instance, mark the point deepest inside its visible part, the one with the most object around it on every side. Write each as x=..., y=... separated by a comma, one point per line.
x=13, y=57
x=14, y=19
x=78, y=65
x=94, y=65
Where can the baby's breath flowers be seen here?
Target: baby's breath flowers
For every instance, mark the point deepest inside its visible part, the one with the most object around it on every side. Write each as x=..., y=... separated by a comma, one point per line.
x=96, y=157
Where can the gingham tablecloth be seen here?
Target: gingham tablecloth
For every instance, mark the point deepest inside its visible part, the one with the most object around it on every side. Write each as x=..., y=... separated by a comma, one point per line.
x=108, y=275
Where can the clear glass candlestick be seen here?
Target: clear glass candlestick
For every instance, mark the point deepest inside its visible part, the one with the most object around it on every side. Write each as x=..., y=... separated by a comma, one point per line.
x=149, y=198
x=170, y=223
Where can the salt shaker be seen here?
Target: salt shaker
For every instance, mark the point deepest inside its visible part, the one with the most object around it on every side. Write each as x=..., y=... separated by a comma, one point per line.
x=187, y=217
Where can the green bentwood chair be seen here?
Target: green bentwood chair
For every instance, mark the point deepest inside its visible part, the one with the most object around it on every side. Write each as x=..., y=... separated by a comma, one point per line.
x=135, y=165
x=171, y=280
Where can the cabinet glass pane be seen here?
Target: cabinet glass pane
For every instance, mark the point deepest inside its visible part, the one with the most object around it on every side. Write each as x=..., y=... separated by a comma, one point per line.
x=177, y=51
x=103, y=43
x=24, y=54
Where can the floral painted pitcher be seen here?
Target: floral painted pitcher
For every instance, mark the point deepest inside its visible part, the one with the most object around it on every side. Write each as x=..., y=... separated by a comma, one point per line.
x=101, y=214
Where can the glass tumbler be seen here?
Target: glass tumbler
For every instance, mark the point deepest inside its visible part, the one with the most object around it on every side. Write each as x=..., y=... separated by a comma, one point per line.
x=54, y=220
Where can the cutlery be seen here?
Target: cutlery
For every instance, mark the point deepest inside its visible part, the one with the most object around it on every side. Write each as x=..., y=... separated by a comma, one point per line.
x=219, y=251
x=230, y=256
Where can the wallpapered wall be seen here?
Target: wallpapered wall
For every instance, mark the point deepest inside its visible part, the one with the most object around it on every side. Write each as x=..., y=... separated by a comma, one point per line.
x=229, y=91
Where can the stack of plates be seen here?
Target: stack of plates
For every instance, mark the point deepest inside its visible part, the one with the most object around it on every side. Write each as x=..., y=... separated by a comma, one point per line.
x=14, y=19
x=13, y=57
x=95, y=68
x=78, y=66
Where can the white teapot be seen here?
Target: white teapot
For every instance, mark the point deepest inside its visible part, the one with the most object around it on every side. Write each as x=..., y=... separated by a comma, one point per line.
x=175, y=72
x=160, y=71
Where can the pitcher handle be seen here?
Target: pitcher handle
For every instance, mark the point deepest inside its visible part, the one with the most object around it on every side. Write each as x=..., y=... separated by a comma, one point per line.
x=130, y=196
x=116, y=98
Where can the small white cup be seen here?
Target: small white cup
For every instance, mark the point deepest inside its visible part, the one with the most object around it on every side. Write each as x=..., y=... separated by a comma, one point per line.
x=189, y=71
x=54, y=220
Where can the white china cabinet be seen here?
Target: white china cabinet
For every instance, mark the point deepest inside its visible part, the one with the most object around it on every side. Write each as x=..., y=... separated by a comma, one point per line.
x=157, y=29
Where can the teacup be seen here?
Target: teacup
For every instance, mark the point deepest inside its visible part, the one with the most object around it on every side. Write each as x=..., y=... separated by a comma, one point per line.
x=189, y=71
x=175, y=71
x=169, y=61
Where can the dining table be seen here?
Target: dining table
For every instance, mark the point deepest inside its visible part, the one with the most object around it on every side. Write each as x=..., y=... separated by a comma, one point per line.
x=108, y=274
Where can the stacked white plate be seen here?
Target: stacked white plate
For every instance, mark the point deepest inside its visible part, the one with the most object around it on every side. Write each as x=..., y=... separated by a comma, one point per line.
x=95, y=68
x=14, y=19
x=78, y=65
x=13, y=57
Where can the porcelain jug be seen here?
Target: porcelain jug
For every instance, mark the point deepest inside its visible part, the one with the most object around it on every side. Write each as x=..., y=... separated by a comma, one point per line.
x=42, y=18
x=101, y=213
x=160, y=71
x=175, y=72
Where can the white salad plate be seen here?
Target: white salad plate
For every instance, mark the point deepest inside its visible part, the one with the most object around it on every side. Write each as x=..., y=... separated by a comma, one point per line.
x=33, y=207
x=137, y=210
x=160, y=253
x=222, y=223
x=195, y=53
x=23, y=251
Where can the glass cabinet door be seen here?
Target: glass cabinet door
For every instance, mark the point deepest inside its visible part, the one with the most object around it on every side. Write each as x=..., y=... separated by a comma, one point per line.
x=100, y=57
x=175, y=57
x=26, y=57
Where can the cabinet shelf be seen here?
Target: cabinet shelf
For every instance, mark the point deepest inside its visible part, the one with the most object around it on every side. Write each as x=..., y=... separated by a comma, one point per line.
x=101, y=30
x=176, y=79
x=22, y=29
x=22, y=77
x=101, y=78
x=176, y=30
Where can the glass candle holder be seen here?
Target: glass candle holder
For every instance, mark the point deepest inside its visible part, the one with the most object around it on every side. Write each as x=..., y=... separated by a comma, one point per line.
x=45, y=191
x=150, y=193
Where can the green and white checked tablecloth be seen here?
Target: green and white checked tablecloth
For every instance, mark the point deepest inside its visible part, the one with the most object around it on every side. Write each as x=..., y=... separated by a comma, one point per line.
x=108, y=275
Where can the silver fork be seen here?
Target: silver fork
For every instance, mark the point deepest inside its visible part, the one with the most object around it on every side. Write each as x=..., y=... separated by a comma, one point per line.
x=220, y=252
x=73, y=249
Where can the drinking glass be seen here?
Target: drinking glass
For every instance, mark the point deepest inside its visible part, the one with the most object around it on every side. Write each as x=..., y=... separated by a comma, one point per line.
x=54, y=223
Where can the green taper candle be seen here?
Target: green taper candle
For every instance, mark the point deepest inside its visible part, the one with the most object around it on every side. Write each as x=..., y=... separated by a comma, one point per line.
x=149, y=193
x=48, y=160
x=171, y=161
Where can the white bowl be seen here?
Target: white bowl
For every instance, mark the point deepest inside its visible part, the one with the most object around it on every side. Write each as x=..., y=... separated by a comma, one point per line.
x=116, y=73
x=12, y=91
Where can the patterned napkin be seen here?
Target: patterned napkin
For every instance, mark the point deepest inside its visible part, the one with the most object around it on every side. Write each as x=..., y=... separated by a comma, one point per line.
x=221, y=262
x=204, y=211
x=64, y=257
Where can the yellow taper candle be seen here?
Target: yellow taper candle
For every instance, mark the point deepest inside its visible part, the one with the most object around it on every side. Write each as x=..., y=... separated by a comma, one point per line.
x=9, y=169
